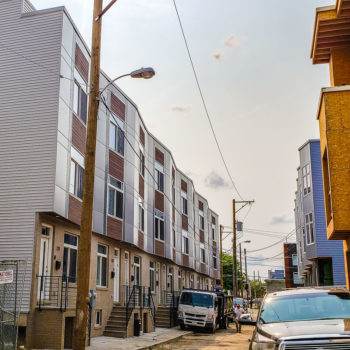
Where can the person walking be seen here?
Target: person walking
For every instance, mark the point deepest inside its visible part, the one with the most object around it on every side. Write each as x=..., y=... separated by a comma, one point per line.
x=238, y=313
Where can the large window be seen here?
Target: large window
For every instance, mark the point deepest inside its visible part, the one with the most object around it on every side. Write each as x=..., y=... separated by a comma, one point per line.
x=295, y=260
x=151, y=276
x=309, y=225
x=159, y=176
x=158, y=225
x=101, y=279
x=185, y=245
x=215, y=261
x=184, y=207
x=115, y=198
x=116, y=135
x=202, y=252
x=213, y=230
x=76, y=173
x=80, y=96
x=141, y=215
x=201, y=220
x=306, y=179
x=142, y=161
x=174, y=238
x=70, y=254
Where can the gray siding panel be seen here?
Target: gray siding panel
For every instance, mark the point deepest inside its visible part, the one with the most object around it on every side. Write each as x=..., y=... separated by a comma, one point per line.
x=29, y=85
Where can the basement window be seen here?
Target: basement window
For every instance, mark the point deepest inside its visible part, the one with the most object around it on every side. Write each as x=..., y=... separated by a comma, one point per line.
x=98, y=318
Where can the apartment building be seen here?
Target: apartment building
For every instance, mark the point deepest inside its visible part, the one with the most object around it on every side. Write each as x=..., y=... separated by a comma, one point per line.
x=331, y=44
x=291, y=265
x=153, y=234
x=320, y=262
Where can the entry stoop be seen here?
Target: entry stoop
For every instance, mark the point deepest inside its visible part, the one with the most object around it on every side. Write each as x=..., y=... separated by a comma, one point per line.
x=163, y=317
x=116, y=324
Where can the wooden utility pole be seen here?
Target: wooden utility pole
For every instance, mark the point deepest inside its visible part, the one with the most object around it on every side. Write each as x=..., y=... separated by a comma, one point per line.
x=84, y=249
x=240, y=268
x=234, y=250
x=221, y=260
x=246, y=271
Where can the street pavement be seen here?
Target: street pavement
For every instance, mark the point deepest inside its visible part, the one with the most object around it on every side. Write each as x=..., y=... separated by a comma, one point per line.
x=222, y=339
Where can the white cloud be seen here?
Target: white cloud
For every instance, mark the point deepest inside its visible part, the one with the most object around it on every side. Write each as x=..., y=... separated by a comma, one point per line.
x=215, y=181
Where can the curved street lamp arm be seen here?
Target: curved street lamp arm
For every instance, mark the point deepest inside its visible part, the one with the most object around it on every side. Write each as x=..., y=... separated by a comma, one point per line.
x=111, y=82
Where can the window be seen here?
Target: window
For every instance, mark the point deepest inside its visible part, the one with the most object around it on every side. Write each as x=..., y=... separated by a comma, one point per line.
x=80, y=96
x=198, y=282
x=142, y=162
x=213, y=229
x=151, y=276
x=98, y=318
x=76, y=173
x=159, y=225
x=309, y=229
x=116, y=135
x=173, y=192
x=306, y=179
x=185, y=246
x=115, y=198
x=215, y=261
x=137, y=269
x=70, y=255
x=295, y=260
x=159, y=176
x=202, y=252
x=174, y=238
x=179, y=279
x=296, y=279
x=141, y=215
x=45, y=231
x=184, y=208
x=201, y=220
x=101, y=279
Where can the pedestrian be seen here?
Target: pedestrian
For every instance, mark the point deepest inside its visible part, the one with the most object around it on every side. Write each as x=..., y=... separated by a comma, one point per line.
x=238, y=312
x=251, y=303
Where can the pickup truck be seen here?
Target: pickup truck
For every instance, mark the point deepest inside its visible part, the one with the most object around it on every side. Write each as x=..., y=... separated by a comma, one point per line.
x=204, y=309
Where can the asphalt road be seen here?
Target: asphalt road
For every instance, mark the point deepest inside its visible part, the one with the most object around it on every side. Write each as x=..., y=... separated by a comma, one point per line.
x=222, y=339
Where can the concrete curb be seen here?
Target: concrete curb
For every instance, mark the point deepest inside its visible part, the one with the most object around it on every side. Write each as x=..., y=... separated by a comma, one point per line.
x=167, y=341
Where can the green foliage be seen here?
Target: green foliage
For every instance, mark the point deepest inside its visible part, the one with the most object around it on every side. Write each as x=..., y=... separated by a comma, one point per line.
x=227, y=261
x=260, y=288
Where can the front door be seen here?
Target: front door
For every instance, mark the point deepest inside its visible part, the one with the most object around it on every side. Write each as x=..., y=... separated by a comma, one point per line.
x=126, y=276
x=116, y=276
x=137, y=271
x=44, y=263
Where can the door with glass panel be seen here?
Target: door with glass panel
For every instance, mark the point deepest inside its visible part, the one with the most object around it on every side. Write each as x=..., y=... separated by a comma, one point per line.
x=116, y=276
x=126, y=273
x=137, y=271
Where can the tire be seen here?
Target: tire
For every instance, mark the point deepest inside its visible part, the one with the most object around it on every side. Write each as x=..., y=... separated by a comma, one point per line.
x=182, y=327
x=213, y=330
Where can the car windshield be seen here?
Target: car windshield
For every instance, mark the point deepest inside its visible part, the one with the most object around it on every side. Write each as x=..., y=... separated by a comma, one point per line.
x=305, y=307
x=196, y=299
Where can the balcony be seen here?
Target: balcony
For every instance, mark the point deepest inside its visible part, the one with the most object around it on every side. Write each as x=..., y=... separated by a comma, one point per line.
x=334, y=122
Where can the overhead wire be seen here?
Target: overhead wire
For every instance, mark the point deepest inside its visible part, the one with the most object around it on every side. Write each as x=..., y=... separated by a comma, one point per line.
x=203, y=101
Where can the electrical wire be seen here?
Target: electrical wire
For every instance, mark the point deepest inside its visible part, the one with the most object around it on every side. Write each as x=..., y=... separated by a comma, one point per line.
x=203, y=101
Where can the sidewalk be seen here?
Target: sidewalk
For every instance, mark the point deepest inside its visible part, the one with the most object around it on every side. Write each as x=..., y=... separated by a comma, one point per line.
x=146, y=341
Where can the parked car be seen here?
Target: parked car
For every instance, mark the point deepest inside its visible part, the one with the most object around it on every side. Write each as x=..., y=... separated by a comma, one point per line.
x=308, y=318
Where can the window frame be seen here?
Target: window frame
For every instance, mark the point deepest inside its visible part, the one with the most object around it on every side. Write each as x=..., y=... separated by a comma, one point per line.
x=306, y=176
x=184, y=203
x=201, y=220
x=119, y=129
x=142, y=160
x=115, y=188
x=158, y=220
x=76, y=178
x=185, y=243
x=159, y=176
x=141, y=215
x=309, y=228
x=80, y=87
x=202, y=253
x=99, y=312
x=213, y=231
x=99, y=268
x=70, y=247
x=152, y=273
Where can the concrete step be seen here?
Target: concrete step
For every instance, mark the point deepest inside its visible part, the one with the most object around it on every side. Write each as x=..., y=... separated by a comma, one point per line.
x=115, y=334
x=119, y=325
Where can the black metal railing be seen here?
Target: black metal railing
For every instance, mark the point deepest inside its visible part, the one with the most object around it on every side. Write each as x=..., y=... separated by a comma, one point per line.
x=170, y=299
x=56, y=292
x=152, y=307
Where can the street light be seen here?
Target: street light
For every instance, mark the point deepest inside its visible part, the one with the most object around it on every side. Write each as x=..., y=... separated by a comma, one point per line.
x=144, y=73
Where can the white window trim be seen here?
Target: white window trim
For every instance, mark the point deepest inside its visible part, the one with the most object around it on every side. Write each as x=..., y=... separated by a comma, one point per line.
x=101, y=255
x=158, y=215
x=308, y=233
x=75, y=247
x=141, y=206
x=100, y=312
x=121, y=190
x=119, y=124
x=185, y=234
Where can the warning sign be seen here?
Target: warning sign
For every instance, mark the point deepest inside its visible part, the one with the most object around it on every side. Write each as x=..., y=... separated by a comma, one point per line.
x=6, y=276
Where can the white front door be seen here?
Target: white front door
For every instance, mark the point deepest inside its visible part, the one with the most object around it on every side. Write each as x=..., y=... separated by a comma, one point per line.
x=126, y=277
x=44, y=263
x=116, y=276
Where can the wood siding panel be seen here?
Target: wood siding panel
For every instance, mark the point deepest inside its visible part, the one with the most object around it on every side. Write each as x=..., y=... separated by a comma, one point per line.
x=74, y=210
x=142, y=136
x=184, y=222
x=184, y=186
x=159, y=201
x=159, y=155
x=200, y=205
x=201, y=236
x=141, y=242
x=114, y=228
x=78, y=135
x=185, y=260
x=117, y=107
x=116, y=165
x=141, y=186
x=158, y=248
x=81, y=63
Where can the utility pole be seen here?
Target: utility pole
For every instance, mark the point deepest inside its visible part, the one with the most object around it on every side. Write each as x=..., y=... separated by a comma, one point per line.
x=246, y=271
x=234, y=241
x=240, y=268
x=84, y=249
x=234, y=250
x=221, y=262
x=254, y=287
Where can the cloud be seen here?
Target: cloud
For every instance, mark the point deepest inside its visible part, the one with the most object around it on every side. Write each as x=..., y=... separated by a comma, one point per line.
x=215, y=181
x=180, y=109
x=283, y=219
x=232, y=41
x=217, y=56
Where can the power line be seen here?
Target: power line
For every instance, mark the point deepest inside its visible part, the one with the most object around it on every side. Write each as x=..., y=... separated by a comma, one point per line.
x=203, y=101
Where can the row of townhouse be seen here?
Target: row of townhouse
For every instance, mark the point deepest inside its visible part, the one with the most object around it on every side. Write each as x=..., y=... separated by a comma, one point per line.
x=153, y=234
x=331, y=44
x=320, y=262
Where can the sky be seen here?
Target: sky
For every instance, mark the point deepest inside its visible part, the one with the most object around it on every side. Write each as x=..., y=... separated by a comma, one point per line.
x=260, y=87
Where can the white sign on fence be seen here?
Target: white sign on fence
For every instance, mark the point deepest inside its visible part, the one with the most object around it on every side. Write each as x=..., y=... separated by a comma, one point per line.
x=6, y=276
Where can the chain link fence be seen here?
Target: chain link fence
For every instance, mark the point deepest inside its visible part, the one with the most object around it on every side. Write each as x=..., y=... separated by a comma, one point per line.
x=12, y=275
